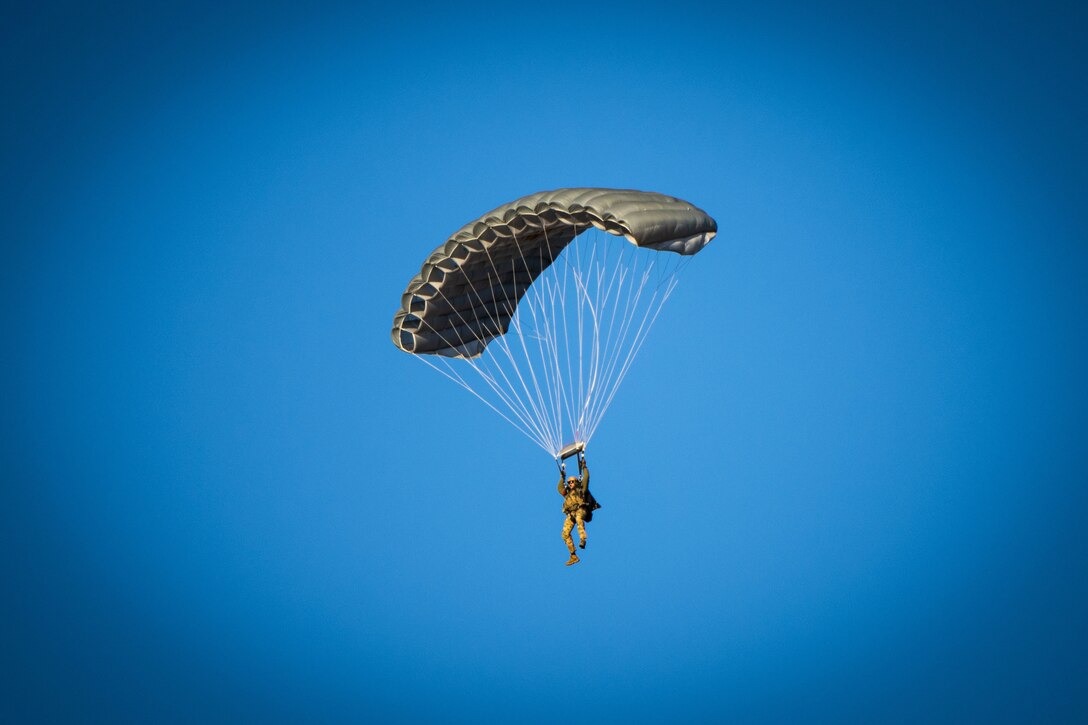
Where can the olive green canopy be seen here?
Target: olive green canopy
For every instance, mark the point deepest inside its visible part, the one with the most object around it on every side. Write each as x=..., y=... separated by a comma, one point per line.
x=468, y=289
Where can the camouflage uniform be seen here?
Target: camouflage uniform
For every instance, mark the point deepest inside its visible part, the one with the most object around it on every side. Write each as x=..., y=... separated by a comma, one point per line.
x=575, y=506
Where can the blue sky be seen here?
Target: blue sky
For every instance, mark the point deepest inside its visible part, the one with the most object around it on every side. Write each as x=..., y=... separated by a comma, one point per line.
x=845, y=479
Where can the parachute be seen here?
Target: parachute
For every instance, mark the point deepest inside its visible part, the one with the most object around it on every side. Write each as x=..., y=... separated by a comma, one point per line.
x=543, y=301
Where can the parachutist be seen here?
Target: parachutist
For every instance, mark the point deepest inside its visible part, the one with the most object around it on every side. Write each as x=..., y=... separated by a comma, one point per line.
x=547, y=255
x=578, y=505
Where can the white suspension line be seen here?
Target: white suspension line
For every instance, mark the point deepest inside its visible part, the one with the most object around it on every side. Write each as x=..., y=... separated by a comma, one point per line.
x=511, y=308
x=523, y=414
x=523, y=381
x=485, y=401
x=588, y=392
x=532, y=370
x=632, y=299
x=601, y=298
x=566, y=331
x=532, y=299
x=634, y=352
x=525, y=421
x=626, y=325
x=551, y=288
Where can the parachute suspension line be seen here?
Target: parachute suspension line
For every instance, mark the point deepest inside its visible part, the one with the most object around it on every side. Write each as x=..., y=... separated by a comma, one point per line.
x=615, y=287
x=630, y=308
x=581, y=331
x=510, y=396
x=548, y=296
x=613, y=353
x=505, y=346
x=599, y=270
x=640, y=338
x=452, y=375
x=563, y=408
x=548, y=385
x=595, y=291
x=551, y=287
x=653, y=308
x=602, y=298
x=449, y=372
x=593, y=304
x=586, y=393
x=489, y=377
x=571, y=282
x=559, y=283
x=670, y=279
x=541, y=405
x=542, y=421
x=540, y=321
x=545, y=417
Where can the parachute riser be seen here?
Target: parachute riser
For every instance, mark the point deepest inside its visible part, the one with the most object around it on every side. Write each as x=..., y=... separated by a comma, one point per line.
x=569, y=451
x=572, y=450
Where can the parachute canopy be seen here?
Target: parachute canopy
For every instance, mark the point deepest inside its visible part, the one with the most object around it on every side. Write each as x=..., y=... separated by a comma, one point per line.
x=468, y=289
x=548, y=299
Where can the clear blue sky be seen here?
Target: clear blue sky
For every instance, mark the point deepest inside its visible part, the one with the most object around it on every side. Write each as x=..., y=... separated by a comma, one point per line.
x=845, y=481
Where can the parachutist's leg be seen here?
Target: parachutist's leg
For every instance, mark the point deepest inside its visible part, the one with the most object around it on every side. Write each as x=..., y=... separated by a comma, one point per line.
x=581, y=529
x=568, y=525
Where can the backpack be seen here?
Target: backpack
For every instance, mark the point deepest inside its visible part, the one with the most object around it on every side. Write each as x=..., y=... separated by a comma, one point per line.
x=591, y=505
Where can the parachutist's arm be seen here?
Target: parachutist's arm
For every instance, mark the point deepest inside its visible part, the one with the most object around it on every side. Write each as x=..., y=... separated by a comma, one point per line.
x=562, y=487
x=585, y=474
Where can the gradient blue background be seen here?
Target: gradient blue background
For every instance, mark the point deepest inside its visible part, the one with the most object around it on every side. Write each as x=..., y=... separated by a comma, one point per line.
x=845, y=481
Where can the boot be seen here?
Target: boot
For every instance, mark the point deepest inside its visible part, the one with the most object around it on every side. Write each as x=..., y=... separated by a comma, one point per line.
x=573, y=559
